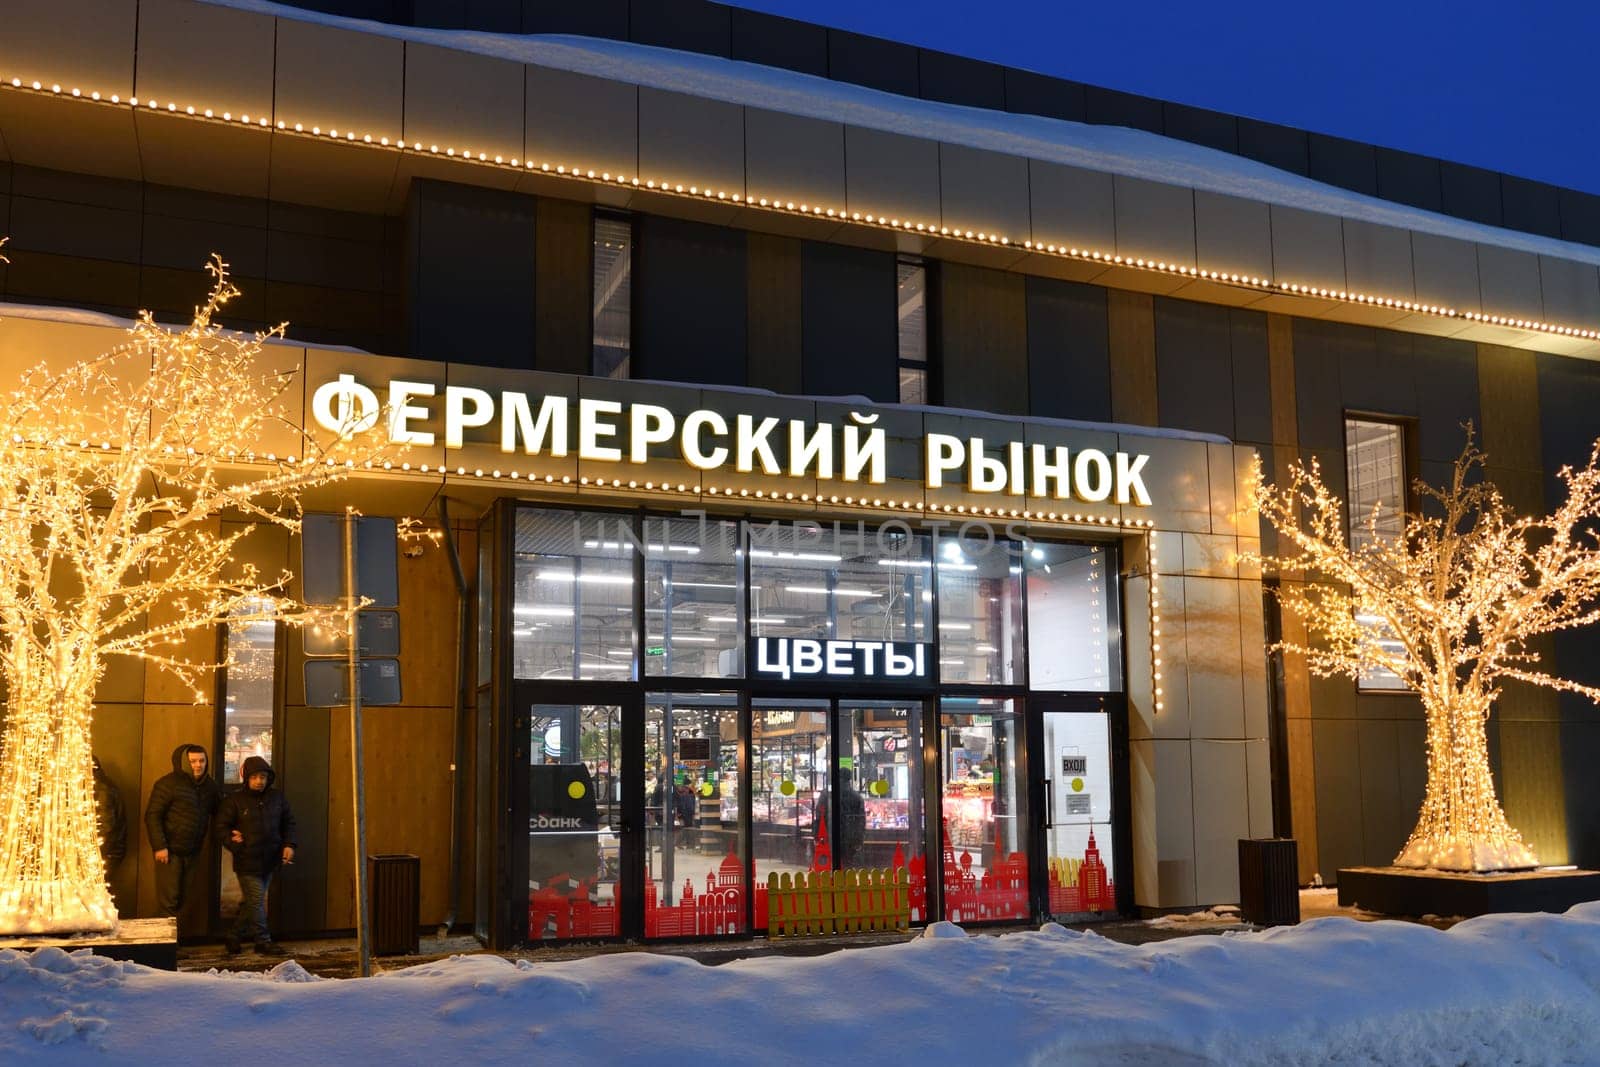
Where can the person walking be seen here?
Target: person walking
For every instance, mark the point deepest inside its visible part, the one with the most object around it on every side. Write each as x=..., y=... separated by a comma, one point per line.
x=176, y=820
x=256, y=825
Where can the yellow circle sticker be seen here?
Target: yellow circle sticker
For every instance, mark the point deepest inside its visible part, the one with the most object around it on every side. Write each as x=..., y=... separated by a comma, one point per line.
x=705, y=789
x=1077, y=785
x=880, y=788
x=787, y=788
x=576, y=790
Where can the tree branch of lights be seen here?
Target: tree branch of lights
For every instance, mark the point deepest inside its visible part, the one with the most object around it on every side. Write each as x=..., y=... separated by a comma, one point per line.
x=1452, y=607
x=115, y=474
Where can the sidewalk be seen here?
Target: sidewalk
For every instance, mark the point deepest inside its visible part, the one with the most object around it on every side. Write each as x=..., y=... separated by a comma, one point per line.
x=336, y=957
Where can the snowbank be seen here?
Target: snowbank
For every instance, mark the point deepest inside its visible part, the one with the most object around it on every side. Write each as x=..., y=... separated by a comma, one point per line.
x=1522, y=988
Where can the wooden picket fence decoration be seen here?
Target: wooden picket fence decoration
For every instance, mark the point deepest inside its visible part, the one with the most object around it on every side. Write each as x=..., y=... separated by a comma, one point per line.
x=851, y=901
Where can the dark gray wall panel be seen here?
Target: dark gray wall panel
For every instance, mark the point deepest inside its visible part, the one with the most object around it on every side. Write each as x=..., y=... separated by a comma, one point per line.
x=774, y=41
x=496, y=16
x=1447, y=394
x=1408, y=178
x=1028, y=93
x=1318, y=408
x=1337, y=756
x=981, y=338
x=1580, y=217
x=687, y=25
x=1069, y=351
x=1384, y=826
x=1108, y=107
x=592, y=18
x=849, y=332
x=773, y=265
x=1569, y=397
x=959, y=80
x=873, y=62
x=1470, y=193
x=1347, y=164
x=303, y=905
x=564, y=272
x=1580, y=754
x=689, y=304
x=1375, y=371
x=1277, y=146
x=1252, y=385
x=470, y=275
x=1194, y=366
x=1533, y=207
x=1200, y=126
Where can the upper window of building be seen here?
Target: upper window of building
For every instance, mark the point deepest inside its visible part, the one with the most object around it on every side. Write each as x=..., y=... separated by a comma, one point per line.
x=1375, y=470
x=613, y=285
x=912, y=313
x=693, y=613
x=1073, y=629
x=573, y=613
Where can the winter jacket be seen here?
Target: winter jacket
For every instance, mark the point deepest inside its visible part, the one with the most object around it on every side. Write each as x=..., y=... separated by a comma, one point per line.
x=263, y=819
x=180, y=808
x=113, y=823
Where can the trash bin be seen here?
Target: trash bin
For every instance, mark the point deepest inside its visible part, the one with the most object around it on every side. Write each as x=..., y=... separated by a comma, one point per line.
x=395, y=882
x=1269, y=881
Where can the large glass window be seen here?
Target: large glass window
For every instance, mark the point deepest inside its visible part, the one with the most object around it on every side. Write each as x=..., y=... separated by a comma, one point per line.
x=789, y=762
x=980, y=613
x=1074, y=635
x=575, y=812
x=912, y=315
x=613, y=309
x=1375, y=471
x=879, y=818
x=985, y=863
x=693, y=613
x=694, y=854
x=1078, y=837
x=572, y=616
x=804, y=582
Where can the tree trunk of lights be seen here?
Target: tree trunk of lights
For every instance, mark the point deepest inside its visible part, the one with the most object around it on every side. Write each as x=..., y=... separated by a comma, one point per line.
x=52, y=879
x=1461, y=826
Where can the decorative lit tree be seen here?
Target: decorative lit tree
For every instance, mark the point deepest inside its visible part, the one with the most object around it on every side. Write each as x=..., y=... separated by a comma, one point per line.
x=1452, y=607
x=114, y=475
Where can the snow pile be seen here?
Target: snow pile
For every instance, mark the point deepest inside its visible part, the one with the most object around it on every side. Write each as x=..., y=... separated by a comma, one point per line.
x=1522, y=988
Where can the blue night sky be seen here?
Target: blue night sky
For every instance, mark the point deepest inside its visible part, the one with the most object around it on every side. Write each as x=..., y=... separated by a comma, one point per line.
x=1510, y=85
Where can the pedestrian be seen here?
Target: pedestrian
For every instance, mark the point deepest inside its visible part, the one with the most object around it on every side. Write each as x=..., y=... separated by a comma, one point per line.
x=176, y=821
x=112, y=821
x=256, y=825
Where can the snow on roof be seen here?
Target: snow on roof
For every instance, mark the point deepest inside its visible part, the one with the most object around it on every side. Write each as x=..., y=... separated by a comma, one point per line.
x=1113, y=149
x=1498, y=989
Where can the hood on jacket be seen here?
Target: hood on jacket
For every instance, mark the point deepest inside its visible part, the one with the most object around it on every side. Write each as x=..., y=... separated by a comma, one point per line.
x=180, y=759
x=257, y=765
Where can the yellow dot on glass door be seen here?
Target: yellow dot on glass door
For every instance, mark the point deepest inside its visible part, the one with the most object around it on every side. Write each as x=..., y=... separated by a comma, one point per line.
x=1077, y=785
x=787, y=788
x=576, y=790
x=879, y=788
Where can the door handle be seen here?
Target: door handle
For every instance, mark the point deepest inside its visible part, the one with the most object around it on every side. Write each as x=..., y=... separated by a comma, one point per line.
x=1049, y=803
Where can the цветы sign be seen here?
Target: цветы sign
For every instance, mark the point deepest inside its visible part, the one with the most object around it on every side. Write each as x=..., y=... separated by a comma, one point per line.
x=611, y=431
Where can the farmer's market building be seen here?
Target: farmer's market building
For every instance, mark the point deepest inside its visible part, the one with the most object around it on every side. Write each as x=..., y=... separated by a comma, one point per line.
x=842, y=442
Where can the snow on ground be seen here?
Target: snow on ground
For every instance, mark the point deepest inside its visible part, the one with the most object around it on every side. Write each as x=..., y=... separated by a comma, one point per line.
x=1499, y=989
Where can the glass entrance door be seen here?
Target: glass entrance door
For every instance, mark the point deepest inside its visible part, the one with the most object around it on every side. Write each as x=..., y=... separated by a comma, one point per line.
x=984, y=865
x=1078, y=790
x=572, y=791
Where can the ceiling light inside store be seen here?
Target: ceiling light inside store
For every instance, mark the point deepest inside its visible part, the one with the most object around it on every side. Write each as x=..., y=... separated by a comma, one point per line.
x=548, y=613
x=824, y=590
x=587, y=579
x=815, y=557
x=701, y=585
x=955, y=626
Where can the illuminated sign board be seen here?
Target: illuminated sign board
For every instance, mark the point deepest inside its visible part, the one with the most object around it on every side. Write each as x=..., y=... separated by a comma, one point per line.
x=789, y=658
x=611, y=431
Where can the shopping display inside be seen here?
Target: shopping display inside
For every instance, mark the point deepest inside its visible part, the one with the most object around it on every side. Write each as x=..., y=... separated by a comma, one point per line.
x=731, y=784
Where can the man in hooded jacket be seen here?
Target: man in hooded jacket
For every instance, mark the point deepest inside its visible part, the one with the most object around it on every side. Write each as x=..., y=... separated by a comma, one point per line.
x=176, y=821
x=256, y=825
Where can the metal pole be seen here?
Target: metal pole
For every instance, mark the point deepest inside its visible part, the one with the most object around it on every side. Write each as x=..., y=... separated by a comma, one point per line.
x=357, y=772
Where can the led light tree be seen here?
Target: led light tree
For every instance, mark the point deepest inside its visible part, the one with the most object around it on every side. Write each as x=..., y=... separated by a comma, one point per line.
x=115, y=473
x=1452, y=606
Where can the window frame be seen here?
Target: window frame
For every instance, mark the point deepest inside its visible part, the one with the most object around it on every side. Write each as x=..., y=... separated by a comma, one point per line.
x=1409, y=468
x=628, y=219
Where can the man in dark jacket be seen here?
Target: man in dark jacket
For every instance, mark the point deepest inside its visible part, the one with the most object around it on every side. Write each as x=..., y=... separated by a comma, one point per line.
x=256, y=825
x=176, y=820
x=112, y=822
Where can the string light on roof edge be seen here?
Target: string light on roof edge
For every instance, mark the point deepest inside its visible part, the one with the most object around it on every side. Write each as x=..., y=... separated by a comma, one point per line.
x=377, y=141
x=116, y=472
